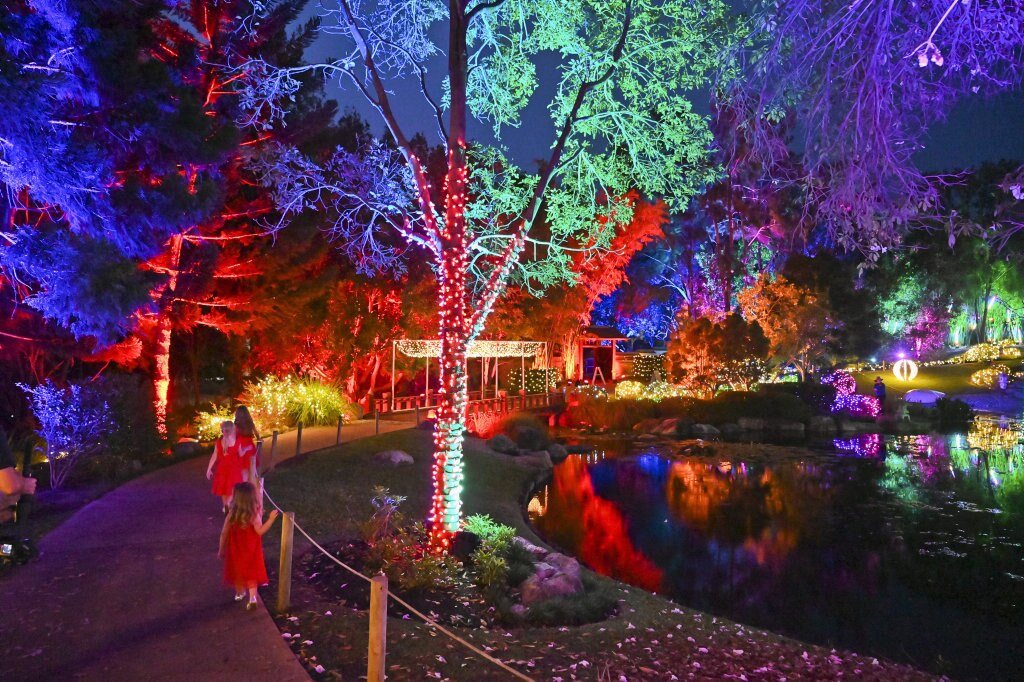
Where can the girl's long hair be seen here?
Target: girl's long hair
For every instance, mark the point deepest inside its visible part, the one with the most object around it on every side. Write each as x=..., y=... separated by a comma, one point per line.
x=243, y=505
x=244, y=424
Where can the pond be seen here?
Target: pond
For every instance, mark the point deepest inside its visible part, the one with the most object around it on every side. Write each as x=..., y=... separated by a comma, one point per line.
x=907, y=547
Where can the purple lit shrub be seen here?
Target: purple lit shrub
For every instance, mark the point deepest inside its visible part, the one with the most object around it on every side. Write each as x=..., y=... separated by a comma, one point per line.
x=844, y=382
x=857, y=405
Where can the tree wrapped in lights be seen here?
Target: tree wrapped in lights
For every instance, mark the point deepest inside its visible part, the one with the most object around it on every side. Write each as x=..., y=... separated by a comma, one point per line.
x=622, y=122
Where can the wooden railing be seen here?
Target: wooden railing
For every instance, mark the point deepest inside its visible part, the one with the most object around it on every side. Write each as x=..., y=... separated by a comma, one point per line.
x=499, y=405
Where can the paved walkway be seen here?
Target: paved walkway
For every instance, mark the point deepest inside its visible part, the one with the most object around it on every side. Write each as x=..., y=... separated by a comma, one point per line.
x=129, y=588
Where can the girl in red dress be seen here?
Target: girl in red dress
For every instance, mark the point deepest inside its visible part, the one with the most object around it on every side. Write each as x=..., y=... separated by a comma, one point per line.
x=224, y=469
x=245, y=433
x=241, y=543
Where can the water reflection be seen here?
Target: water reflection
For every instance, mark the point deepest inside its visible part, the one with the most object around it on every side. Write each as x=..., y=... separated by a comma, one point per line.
x=908, y=546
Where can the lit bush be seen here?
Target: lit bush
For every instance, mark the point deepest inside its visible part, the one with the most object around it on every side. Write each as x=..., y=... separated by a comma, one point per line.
x=843, y=382
x=987, y=352
x=74, y=422
x=591, y=391
x=660, y=390
x=629, y=390
x=316, y=403
x=208, y=423
x=534, y=380
x=278, y=403
x=644, y=367
x=989, y=377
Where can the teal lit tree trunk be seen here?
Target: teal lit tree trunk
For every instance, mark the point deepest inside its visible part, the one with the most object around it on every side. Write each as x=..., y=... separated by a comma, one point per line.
x=660, y=48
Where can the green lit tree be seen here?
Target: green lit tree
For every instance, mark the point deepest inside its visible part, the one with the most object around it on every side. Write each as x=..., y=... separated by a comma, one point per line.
x=622, y=121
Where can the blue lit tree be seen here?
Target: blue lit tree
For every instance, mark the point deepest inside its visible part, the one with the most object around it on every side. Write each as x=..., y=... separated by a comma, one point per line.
x=622, y=122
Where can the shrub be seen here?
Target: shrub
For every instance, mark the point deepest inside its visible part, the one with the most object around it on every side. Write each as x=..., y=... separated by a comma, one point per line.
x=596, y=603
x=953, y=413
x=207, y=423
x=528, y=431
x=399, y=550
x=988, y=377
x=134, y=434
x=628, y=390
x=73, y=421
x=316, y=403
x=534, y=380
x=278, y=403
x=644, y=367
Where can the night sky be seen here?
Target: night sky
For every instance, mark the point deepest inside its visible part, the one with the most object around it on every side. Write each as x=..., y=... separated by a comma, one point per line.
x=977, y=130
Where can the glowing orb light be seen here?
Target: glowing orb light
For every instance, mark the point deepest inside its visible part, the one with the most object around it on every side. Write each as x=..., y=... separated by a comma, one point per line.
x=905, y=370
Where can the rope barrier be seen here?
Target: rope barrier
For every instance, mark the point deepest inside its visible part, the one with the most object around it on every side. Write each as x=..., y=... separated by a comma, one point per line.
x=426, y=619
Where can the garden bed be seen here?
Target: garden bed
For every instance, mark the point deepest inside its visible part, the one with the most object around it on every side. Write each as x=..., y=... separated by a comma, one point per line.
x=649, y=638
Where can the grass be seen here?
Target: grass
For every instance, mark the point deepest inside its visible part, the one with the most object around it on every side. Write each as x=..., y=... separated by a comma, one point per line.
x=950, y=379
x=650, y=638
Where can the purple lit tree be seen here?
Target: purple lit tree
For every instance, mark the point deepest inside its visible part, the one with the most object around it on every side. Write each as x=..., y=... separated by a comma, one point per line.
x=868, y=78
x=622, y=122
x=73, y=421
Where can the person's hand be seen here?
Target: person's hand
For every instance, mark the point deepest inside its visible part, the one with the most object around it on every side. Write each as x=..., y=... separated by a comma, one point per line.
x=274, y=514
x=209, y=474
x=28, y=486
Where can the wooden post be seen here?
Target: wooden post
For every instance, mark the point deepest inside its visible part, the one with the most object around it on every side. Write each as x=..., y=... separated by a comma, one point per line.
x=284, y=580
x=417, y=410
x=376, y=418
x=337, y=439
x=298, y=441
x=273, y=451
x=378, y=628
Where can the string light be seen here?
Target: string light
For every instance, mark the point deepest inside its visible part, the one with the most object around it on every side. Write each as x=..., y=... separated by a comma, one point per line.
x=431, y=348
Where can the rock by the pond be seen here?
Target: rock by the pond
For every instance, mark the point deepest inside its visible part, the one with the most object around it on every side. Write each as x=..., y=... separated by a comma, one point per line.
x=535, y=457
x=558, y=452
x=851, y=426
x=646, y=425
x=504, y=444
x=667, y=427
x=705, y=430
x=822, y=425
x=555, y=575
x=730, y=430
x=751, y=423
x=395, y=457
x=784, y=427
x=579, y=449
x=695, y=447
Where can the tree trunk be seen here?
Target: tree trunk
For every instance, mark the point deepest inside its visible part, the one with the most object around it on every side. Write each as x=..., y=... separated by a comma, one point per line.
x=162, y=353
x=453, y=316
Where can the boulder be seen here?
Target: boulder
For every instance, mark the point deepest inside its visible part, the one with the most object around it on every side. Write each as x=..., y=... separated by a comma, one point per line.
x=556, y=575
x=558, y=452
x=646, y=425
x=536, y=457
x=786, y=428
x=579, y=449
x=667, y=427
x=730, y=430
x=504, y=444
x=684, y=427
x=751, y=423
x=395, y=457
x=822, y=425
x=705, y=430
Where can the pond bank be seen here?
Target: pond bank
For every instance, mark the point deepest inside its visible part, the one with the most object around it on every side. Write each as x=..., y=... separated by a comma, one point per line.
x=651, y=638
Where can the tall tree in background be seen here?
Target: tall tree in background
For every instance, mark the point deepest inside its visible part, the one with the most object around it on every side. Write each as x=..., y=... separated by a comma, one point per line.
x=867, y=79
x=622, y=122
